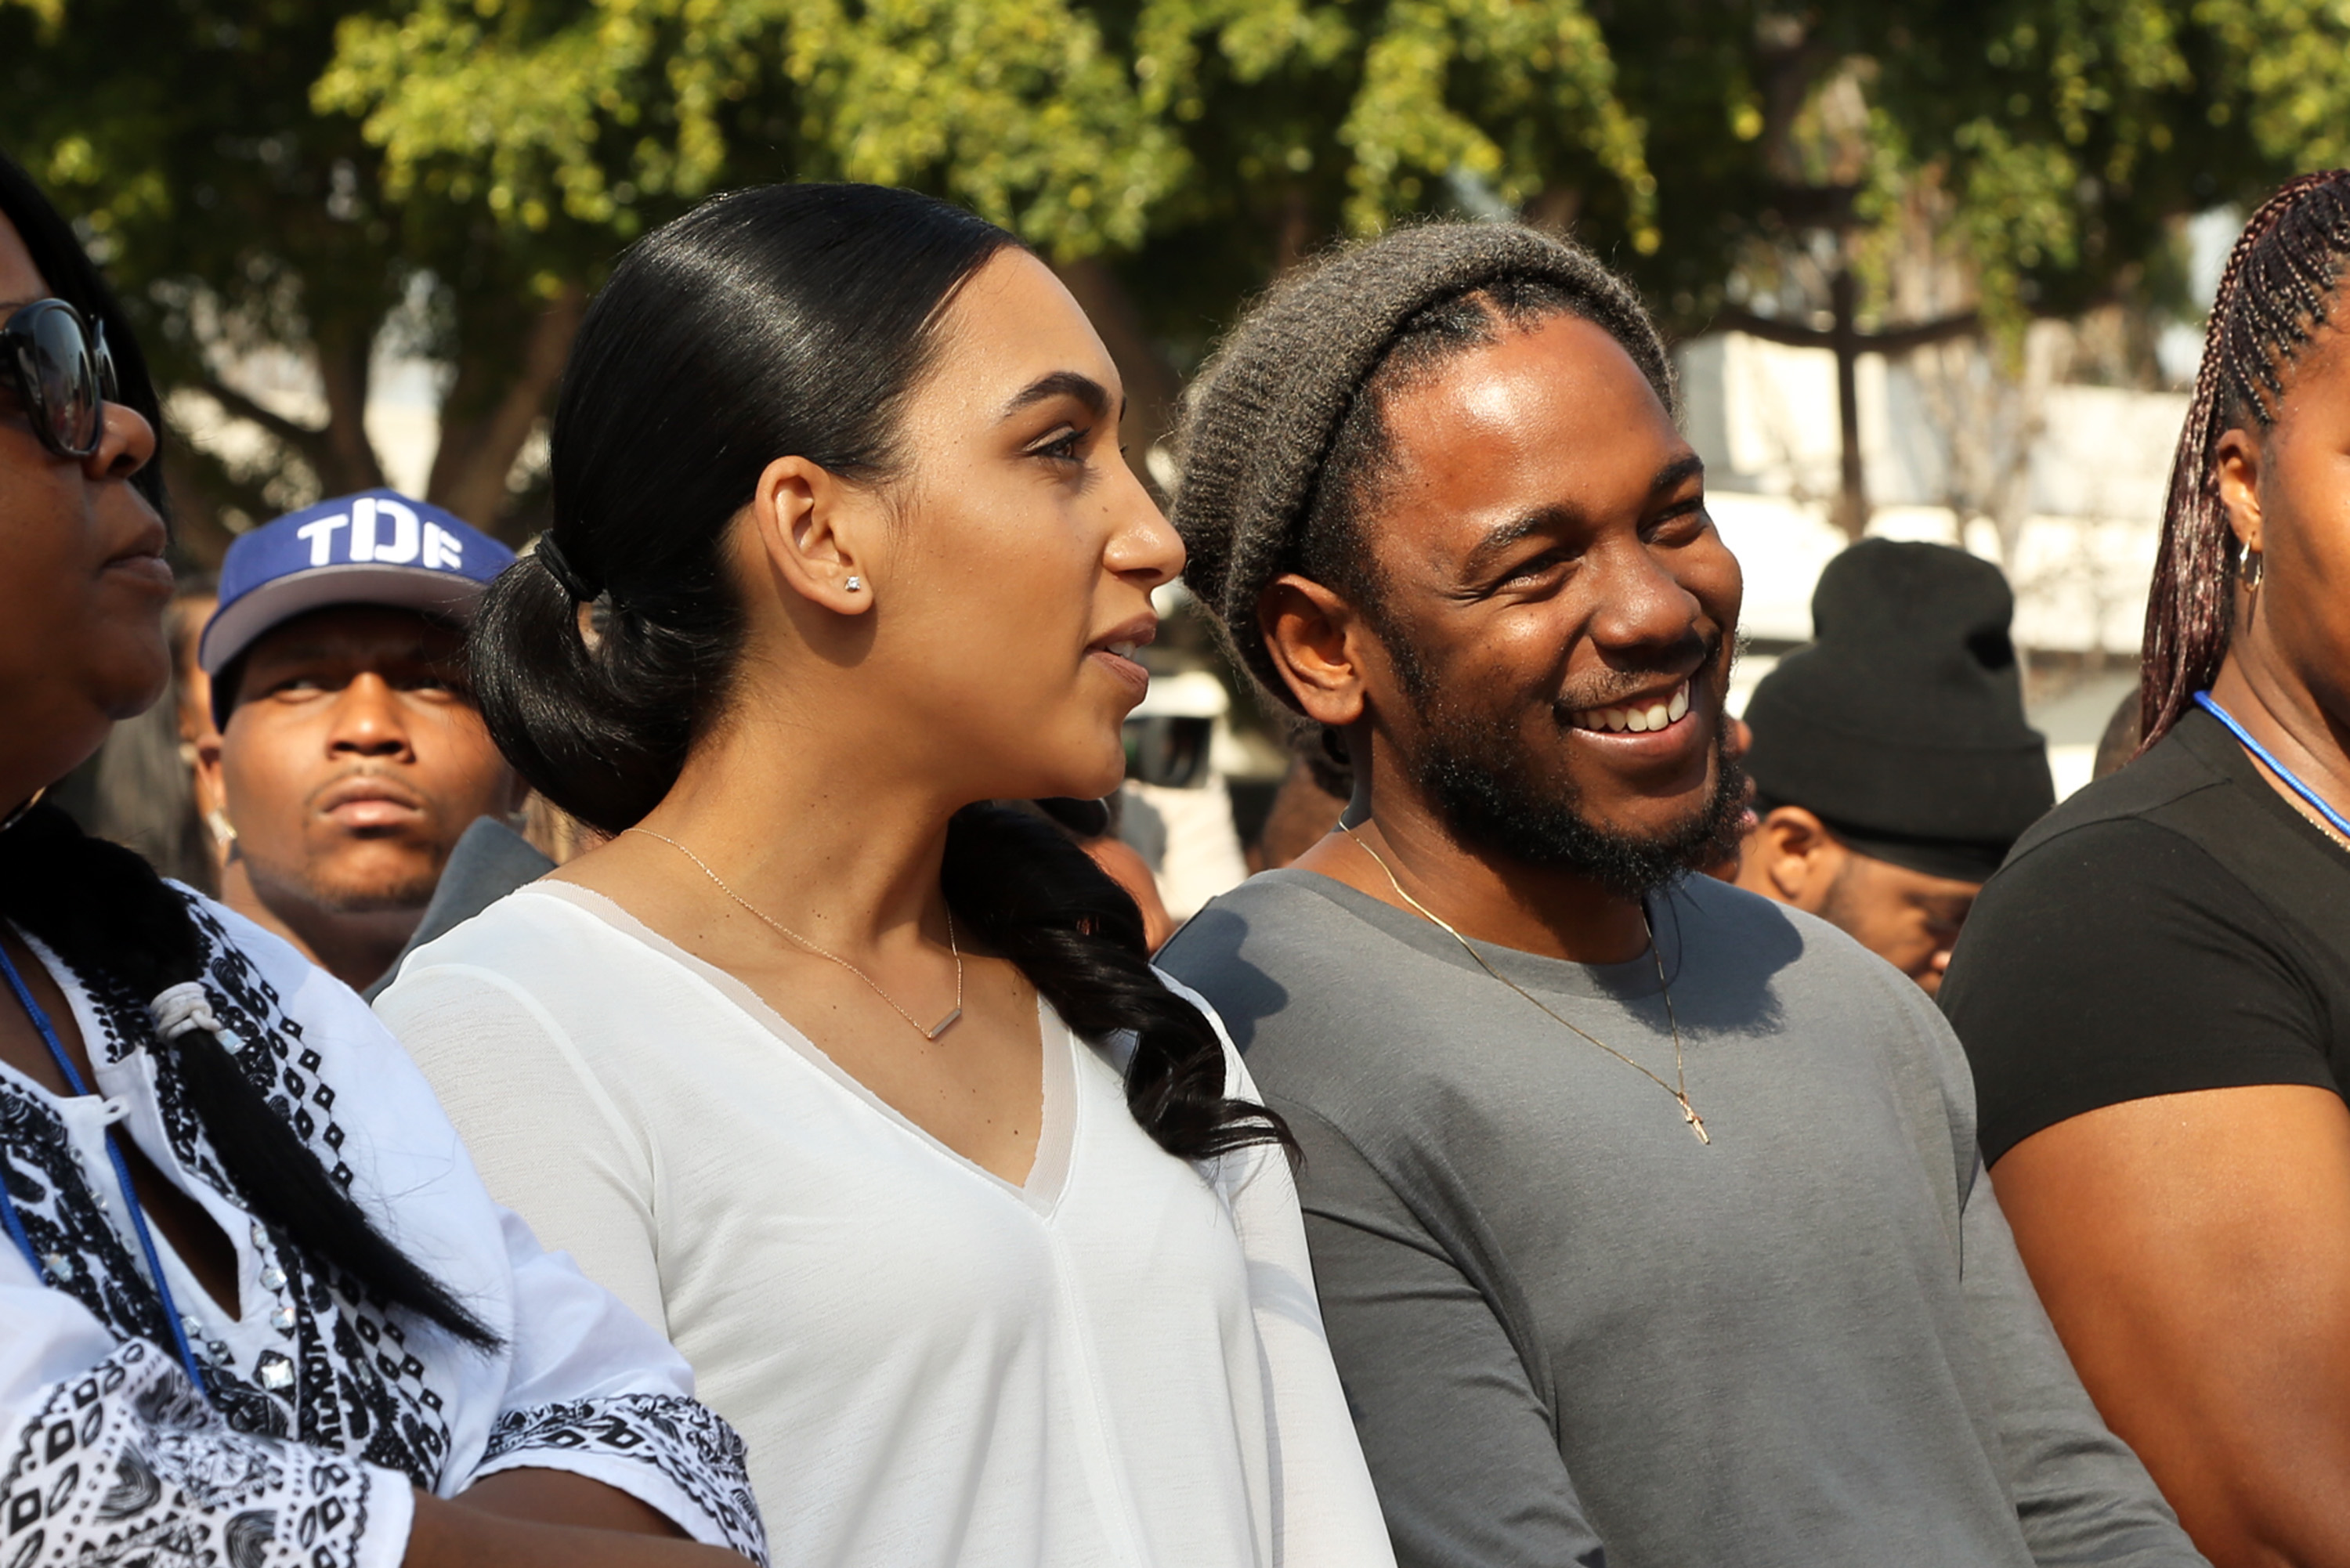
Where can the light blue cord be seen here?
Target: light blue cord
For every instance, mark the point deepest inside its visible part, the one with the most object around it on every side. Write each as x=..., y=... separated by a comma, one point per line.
x=122, y=1175
x=2203, y=700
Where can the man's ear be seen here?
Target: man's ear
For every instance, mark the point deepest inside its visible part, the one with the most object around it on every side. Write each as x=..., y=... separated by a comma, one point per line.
x=1312, y=635
x=816, y=534
x=2238, y=460
x=1800, y=857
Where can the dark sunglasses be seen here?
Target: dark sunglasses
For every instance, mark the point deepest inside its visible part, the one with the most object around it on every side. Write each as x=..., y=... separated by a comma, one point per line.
x=63, y=373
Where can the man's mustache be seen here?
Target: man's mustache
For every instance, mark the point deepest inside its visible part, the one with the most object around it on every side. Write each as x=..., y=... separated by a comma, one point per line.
x=1687, y=658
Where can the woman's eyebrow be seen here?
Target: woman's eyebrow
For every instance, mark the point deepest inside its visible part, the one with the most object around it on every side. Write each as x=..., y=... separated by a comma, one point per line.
x=1060, y=384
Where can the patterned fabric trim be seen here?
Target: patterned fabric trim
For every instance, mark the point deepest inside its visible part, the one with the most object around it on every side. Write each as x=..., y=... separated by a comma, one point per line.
x=128, y=1465
x=680, y=1439
x=341, y=1374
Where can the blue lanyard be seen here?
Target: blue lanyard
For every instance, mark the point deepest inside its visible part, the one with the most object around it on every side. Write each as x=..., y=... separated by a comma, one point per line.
x=121, y=1176
x=2292, y=779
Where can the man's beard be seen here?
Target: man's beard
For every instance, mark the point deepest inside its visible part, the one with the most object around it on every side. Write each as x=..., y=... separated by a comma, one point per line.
x=1473, y=768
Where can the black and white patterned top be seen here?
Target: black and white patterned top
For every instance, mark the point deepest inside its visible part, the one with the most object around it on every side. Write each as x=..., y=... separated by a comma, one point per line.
x=325, y=1406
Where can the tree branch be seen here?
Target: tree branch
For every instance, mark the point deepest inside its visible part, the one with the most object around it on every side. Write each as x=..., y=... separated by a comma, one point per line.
x=311, y=443
x=1893, y=341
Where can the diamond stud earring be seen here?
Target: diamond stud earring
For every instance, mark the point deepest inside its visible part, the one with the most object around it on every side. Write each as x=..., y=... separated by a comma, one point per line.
x=853, y=584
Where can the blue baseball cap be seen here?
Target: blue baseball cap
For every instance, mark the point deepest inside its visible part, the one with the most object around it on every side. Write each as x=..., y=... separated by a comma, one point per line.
x=377, y=547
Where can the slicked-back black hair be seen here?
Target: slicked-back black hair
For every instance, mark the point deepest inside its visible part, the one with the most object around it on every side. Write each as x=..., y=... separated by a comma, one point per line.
x=785, y=320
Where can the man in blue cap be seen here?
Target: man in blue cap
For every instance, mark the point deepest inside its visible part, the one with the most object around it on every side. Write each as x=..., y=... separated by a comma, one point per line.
x=368, y=805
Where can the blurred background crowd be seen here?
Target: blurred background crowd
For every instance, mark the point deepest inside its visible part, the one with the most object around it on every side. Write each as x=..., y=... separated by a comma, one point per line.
x=1936, y=272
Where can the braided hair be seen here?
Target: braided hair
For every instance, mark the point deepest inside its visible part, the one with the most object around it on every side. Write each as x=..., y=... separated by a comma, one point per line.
x=786, y=318
x=2276, y=294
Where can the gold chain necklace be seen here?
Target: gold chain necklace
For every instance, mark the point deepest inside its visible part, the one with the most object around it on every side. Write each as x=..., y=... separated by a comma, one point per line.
x=1678, y=1090
x=933, y=1033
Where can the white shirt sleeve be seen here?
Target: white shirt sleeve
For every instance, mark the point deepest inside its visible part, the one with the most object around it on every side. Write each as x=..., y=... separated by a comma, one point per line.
x=110, y=1456
x=1325, y=1514
x=595, y=1391
x=575, y=1164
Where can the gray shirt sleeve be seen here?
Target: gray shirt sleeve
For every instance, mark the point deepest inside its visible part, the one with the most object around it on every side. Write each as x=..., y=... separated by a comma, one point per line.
x=2081, y=1494
x=1460, y=1444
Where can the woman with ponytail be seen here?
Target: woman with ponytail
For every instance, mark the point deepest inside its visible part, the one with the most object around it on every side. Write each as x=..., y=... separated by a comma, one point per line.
x=255, y=1307
x=861, y=1085
x=2155, y=991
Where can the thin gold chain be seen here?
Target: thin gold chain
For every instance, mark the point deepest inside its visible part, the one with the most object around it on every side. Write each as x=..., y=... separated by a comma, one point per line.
x=933, y=1033
x=1678, y=1090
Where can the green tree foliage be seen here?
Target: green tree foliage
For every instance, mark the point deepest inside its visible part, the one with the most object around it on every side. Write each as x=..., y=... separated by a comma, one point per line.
x=239, y=221
x=293, y=174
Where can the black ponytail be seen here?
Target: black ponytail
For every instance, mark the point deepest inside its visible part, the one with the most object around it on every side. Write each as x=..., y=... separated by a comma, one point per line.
x=789, y=319
x=1033, y=896
x=106, y=914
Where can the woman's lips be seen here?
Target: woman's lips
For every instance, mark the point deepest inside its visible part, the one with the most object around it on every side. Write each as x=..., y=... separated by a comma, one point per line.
x=148, y=571
x=1123, y=669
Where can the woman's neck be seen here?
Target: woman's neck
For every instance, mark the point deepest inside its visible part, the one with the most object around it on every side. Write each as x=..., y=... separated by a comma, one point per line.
x=830, y=840
x=2280, y=711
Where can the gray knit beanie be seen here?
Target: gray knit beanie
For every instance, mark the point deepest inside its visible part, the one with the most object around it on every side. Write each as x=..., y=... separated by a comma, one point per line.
x=1259, y=420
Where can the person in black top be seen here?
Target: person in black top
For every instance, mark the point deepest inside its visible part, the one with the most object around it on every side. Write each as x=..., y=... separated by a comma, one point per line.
x=2155, y=990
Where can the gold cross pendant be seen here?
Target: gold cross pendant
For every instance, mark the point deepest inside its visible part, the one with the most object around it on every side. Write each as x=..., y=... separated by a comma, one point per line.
x=1696, y=1122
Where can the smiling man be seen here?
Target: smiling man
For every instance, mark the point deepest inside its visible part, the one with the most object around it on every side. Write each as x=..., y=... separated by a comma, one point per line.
x=367, y=801
x=1646, y=1213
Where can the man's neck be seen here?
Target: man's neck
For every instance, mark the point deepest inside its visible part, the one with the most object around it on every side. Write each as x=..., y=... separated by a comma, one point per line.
x=354, y=949
x=1402, y=855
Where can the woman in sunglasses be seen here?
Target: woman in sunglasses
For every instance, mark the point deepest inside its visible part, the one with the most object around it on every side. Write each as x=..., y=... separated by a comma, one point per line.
x=255, y=1305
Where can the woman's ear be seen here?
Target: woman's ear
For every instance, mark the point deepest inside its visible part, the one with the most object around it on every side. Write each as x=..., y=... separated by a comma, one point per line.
x=1311, y=635
x=2238, y=461
x=811, y=528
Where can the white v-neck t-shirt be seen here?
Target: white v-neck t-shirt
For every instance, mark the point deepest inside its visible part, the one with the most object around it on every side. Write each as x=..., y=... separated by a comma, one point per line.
x=1119, y=1361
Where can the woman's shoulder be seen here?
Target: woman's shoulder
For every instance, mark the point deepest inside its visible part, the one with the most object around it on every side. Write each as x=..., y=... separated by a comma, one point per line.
x=267, y=991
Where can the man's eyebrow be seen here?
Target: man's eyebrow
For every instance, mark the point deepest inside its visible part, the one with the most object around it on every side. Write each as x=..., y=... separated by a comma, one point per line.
x=1552, y=519
x=1687, y=466
x=1060, y=384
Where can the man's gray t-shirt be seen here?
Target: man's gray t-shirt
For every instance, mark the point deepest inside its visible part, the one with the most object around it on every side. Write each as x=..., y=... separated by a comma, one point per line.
x=1564, y=1325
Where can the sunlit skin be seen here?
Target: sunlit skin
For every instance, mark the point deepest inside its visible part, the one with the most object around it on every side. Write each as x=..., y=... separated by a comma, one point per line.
x=352, y=762
x=83, y=585
x=2194, y=1250
x=1543, y=540
x=1908, y=919
x=972, y=662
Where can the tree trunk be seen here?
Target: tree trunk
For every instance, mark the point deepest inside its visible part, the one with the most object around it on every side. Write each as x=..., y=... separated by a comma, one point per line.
x=345, y=355
x=470, y=465
x=1852, y=493
x=1152, y=388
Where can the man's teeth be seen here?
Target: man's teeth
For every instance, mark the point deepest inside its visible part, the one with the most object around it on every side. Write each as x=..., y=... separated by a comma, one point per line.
x=1123, y=650
x=1637, y=721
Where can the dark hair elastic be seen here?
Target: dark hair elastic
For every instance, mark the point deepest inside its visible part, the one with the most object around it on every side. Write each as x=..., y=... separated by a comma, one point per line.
x=547, y=553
